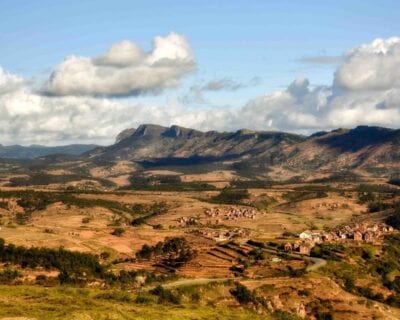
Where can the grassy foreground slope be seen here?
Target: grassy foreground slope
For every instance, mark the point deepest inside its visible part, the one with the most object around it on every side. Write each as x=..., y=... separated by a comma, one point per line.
x=59, y=303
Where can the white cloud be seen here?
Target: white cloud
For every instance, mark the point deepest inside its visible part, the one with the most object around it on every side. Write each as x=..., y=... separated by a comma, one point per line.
x=196, y=92
x=28, y=117
x=125, y=69
x=9, y=82
x=373, y=66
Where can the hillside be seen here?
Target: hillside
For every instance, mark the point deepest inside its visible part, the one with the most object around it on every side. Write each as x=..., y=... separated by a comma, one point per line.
x=368, y=148
x=35, y=151
x=155, y=142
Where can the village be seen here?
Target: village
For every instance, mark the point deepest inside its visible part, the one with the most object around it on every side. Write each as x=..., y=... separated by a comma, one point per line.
x=358, y=232
x=222, y=235
x=11, y=204
x=231, y=213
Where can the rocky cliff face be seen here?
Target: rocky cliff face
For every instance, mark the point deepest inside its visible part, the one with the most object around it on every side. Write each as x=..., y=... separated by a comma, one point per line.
x=341, y=149
x=153, y=141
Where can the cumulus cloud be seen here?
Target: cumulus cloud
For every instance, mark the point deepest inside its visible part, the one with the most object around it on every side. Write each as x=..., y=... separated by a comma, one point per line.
x=196, y=92
x=124, y=70
x=9, y=82
x=322, y=60
x=355, y=97
x=227, y=84
x=373, y=66
x=30, y=118
x=365, y=90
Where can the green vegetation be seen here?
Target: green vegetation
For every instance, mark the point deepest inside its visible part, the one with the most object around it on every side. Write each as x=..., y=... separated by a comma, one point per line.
x=69, y=303
x=328, y=251
x=165, y=296
x=230, y=196
x=32, y=201
x=296, y=196
x=41, y=178
x=243, y=295
x=148, y=211
x=342, y=176
x=118, y=232
x=173, y=252
x=251, y=184
x=165, y=183
x=8, y=276
x=73, y=266
x=351, y=263
x=264, y=202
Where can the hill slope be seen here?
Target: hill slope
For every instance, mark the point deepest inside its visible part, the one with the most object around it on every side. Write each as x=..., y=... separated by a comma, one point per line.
x=35, y=151
x=343, y=149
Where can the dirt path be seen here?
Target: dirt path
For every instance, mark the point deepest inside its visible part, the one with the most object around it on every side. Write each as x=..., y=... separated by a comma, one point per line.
x=198, y=281
x=317, y=262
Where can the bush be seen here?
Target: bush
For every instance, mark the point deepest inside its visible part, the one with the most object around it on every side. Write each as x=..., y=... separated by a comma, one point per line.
x=155, y=209
x=9, y=275
x=142, y=299
x=118, y=232
x=174, y=251
x=72, y=265
x=86, y=220
x=231, y=196
x=242, y=294
x=165, y=295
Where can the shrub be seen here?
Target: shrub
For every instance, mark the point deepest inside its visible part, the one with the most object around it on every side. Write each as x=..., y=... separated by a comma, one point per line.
x=118, y=232
x=165, y=295
x=86, y=220
x=231, y=196
x=9, y=275
x=242, y=294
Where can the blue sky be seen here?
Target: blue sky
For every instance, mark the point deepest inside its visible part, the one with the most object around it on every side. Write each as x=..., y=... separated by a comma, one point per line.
x=235, y=40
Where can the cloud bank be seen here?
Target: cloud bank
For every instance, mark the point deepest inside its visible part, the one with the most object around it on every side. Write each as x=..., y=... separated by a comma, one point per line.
x=124, y=70
x=365, y=90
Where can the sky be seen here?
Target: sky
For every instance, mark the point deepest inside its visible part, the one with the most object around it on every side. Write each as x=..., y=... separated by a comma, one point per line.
x=82, y=71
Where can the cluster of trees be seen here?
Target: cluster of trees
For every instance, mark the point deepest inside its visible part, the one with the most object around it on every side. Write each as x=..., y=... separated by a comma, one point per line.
x=73, y=266
x=329, y=251
x=173, y=252
x=165, y=183
x=165, y=295
x=148, y=211
x=381, y=268
x=231, y=196
x=299, y=195
x=9, y=275
x=251, y=184
x=43, y=179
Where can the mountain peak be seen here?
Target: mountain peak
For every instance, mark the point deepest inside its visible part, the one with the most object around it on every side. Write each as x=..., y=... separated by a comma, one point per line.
x=177, y=131
x=124, y=134
x=149, y=130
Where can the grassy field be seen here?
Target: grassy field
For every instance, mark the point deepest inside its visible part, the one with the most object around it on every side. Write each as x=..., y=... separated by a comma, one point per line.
x=59, y=303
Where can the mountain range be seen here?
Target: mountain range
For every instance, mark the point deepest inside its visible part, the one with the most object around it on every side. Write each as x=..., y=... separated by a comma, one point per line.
x=35, y=151
x=362, y=147
x=367, y=148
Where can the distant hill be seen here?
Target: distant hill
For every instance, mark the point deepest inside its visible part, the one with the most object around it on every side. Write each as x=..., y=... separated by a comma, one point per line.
x=35, y=151
x=364, y=147
x=155, y=142
x=273, y=154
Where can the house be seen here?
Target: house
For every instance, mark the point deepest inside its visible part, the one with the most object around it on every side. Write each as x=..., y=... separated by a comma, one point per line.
x=306, y=235
x=305, y=248
x=288, y=247
x=315, y=237
x=368, y=236
x=357, y=236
